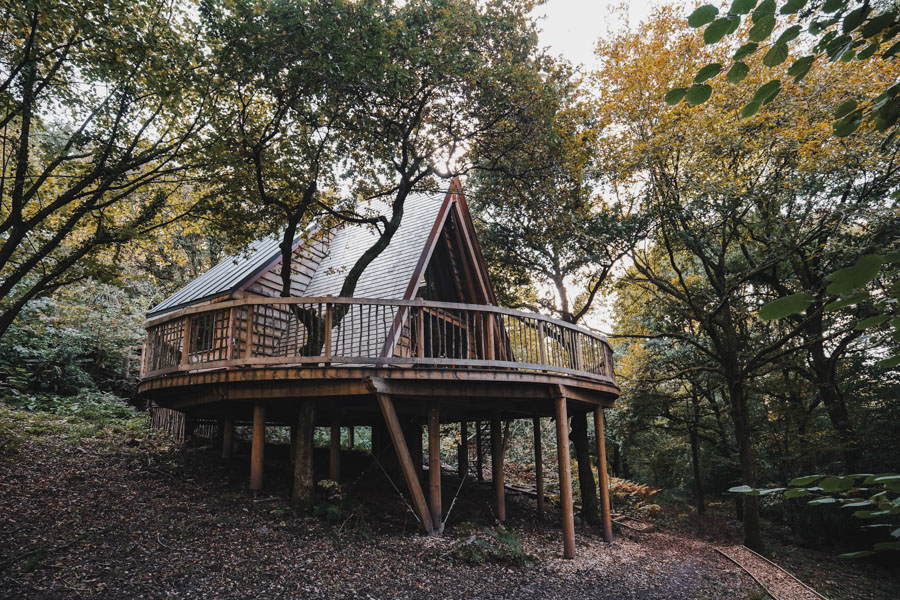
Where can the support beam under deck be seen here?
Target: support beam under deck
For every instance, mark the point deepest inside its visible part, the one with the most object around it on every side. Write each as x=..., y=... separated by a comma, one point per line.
x=565, y=477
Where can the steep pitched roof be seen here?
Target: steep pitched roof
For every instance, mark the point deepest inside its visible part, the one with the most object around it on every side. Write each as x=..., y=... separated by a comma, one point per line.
x=226, y=277
x=395, y=274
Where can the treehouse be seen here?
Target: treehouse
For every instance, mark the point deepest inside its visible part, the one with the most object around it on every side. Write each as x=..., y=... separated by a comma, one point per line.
x=421, y=341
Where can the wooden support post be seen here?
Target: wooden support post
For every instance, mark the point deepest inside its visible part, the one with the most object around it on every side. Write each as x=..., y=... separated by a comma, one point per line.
x=350, y=437
x=479, y=458
x=258, y=446
x=603, y=476
x=334, y=472
x=463, y=450
x=565, y=477
x=227, y=438
x=406, y=464
x=420, y=332
x=434, y=468
x=304, y=481
x=538, y=465
x=497, y=467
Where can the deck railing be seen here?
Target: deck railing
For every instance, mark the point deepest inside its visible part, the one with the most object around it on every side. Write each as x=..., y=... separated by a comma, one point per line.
x=355, y=331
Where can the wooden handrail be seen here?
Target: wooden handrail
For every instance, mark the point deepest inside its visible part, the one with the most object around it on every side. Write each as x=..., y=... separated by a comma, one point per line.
x=459, y=336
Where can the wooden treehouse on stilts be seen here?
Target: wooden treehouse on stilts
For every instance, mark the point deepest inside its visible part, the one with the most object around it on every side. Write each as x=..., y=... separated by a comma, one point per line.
x=423, y=340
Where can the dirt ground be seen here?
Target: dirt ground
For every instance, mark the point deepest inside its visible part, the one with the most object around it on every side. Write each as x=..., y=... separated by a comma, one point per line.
x=113, y=516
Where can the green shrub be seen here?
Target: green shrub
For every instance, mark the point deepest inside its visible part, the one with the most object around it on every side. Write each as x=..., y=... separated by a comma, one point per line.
x=497, y=545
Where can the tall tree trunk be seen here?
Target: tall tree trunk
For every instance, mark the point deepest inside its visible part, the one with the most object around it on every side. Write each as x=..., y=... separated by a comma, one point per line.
x=750, y=504
x=590, y=507
x=698, y=479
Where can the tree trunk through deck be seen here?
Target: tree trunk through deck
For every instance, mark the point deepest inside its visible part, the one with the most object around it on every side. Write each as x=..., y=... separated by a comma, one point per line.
x=227, y=438
x=497, y=468
x=434, y=468
x=589, y=506
x=406, y=464
x=603, y=474
x=538, y=465
x=350, y=431
x=334, y=471
x=304, y=480
x=565, y=477
x=293, y=442
x=257, y=449
x=463, y=450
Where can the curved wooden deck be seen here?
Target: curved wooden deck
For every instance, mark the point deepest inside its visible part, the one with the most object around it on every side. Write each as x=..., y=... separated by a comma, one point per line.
x=347, y=361
x=291, y=348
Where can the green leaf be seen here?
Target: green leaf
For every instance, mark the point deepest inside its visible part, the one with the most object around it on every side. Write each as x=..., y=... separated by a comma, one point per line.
x=818, y=501
x=737, y=72
x=776, y=55
x=792, y=7
x=741, y=7
x=870, y=514
x=703, y=15
x=857, y=504
x=877, y=24
x=698, y=94
x=716, y=30
x=805, y=480
x=745, y=50
x=889, y=363
x=855, y=18
x=848, y=301
x=796, y=493
x=765, y=9
x=856, y=277
x=768, y=491
x=673, y=97
x=767, y=92
x=762, y=29
x=789, y=34
x=836, y=484
x=871, y=322
x=750, y=109
x=891, y=51
x=869, y=51
x=783, y=307
x=741, y=489
x=845, y=109
x=859, y=554
x=801, y=67
x=885, y=478
x=887, y=546
x=708, y=72
x=871, y=478
x=833, y=5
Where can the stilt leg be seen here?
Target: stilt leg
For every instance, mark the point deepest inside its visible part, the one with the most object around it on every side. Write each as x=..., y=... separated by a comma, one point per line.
x=227, y=438
x=497, y=467
x=463, y=456
x=565, y=477
x=335, y=463
x=605, y=516
x=434, y=468
x=258, y=447
x=479, y=456
x=406, y=464
x=538, y=465
x=304, y=480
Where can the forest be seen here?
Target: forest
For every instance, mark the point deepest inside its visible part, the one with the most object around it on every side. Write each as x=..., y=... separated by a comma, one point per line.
x=718, y=196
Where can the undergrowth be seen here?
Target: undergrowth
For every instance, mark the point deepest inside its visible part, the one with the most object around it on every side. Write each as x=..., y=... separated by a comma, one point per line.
x=496, y=545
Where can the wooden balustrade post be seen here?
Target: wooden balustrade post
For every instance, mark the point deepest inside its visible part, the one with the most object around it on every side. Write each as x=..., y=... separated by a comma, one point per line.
x=434, y=467
x=489, y=354
x=328, y=319
x=543, y=342
x=565, y=477
x=248, y=351
x=186, y=342
x=538, y=464
x=420, y=332
x=579, y=353
x=497, y=474
x=258, y=446
x=603, y=475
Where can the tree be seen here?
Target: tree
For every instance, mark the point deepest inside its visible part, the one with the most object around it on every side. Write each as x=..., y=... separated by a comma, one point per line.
x=836, y=30
x=719, y=192
x=100, y=105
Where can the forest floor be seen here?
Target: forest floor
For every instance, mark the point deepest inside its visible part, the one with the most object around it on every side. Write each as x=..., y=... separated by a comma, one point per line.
x=109, y=510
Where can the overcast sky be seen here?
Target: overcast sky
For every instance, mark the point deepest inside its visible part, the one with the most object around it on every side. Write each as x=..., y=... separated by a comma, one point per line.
x=571, y=27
